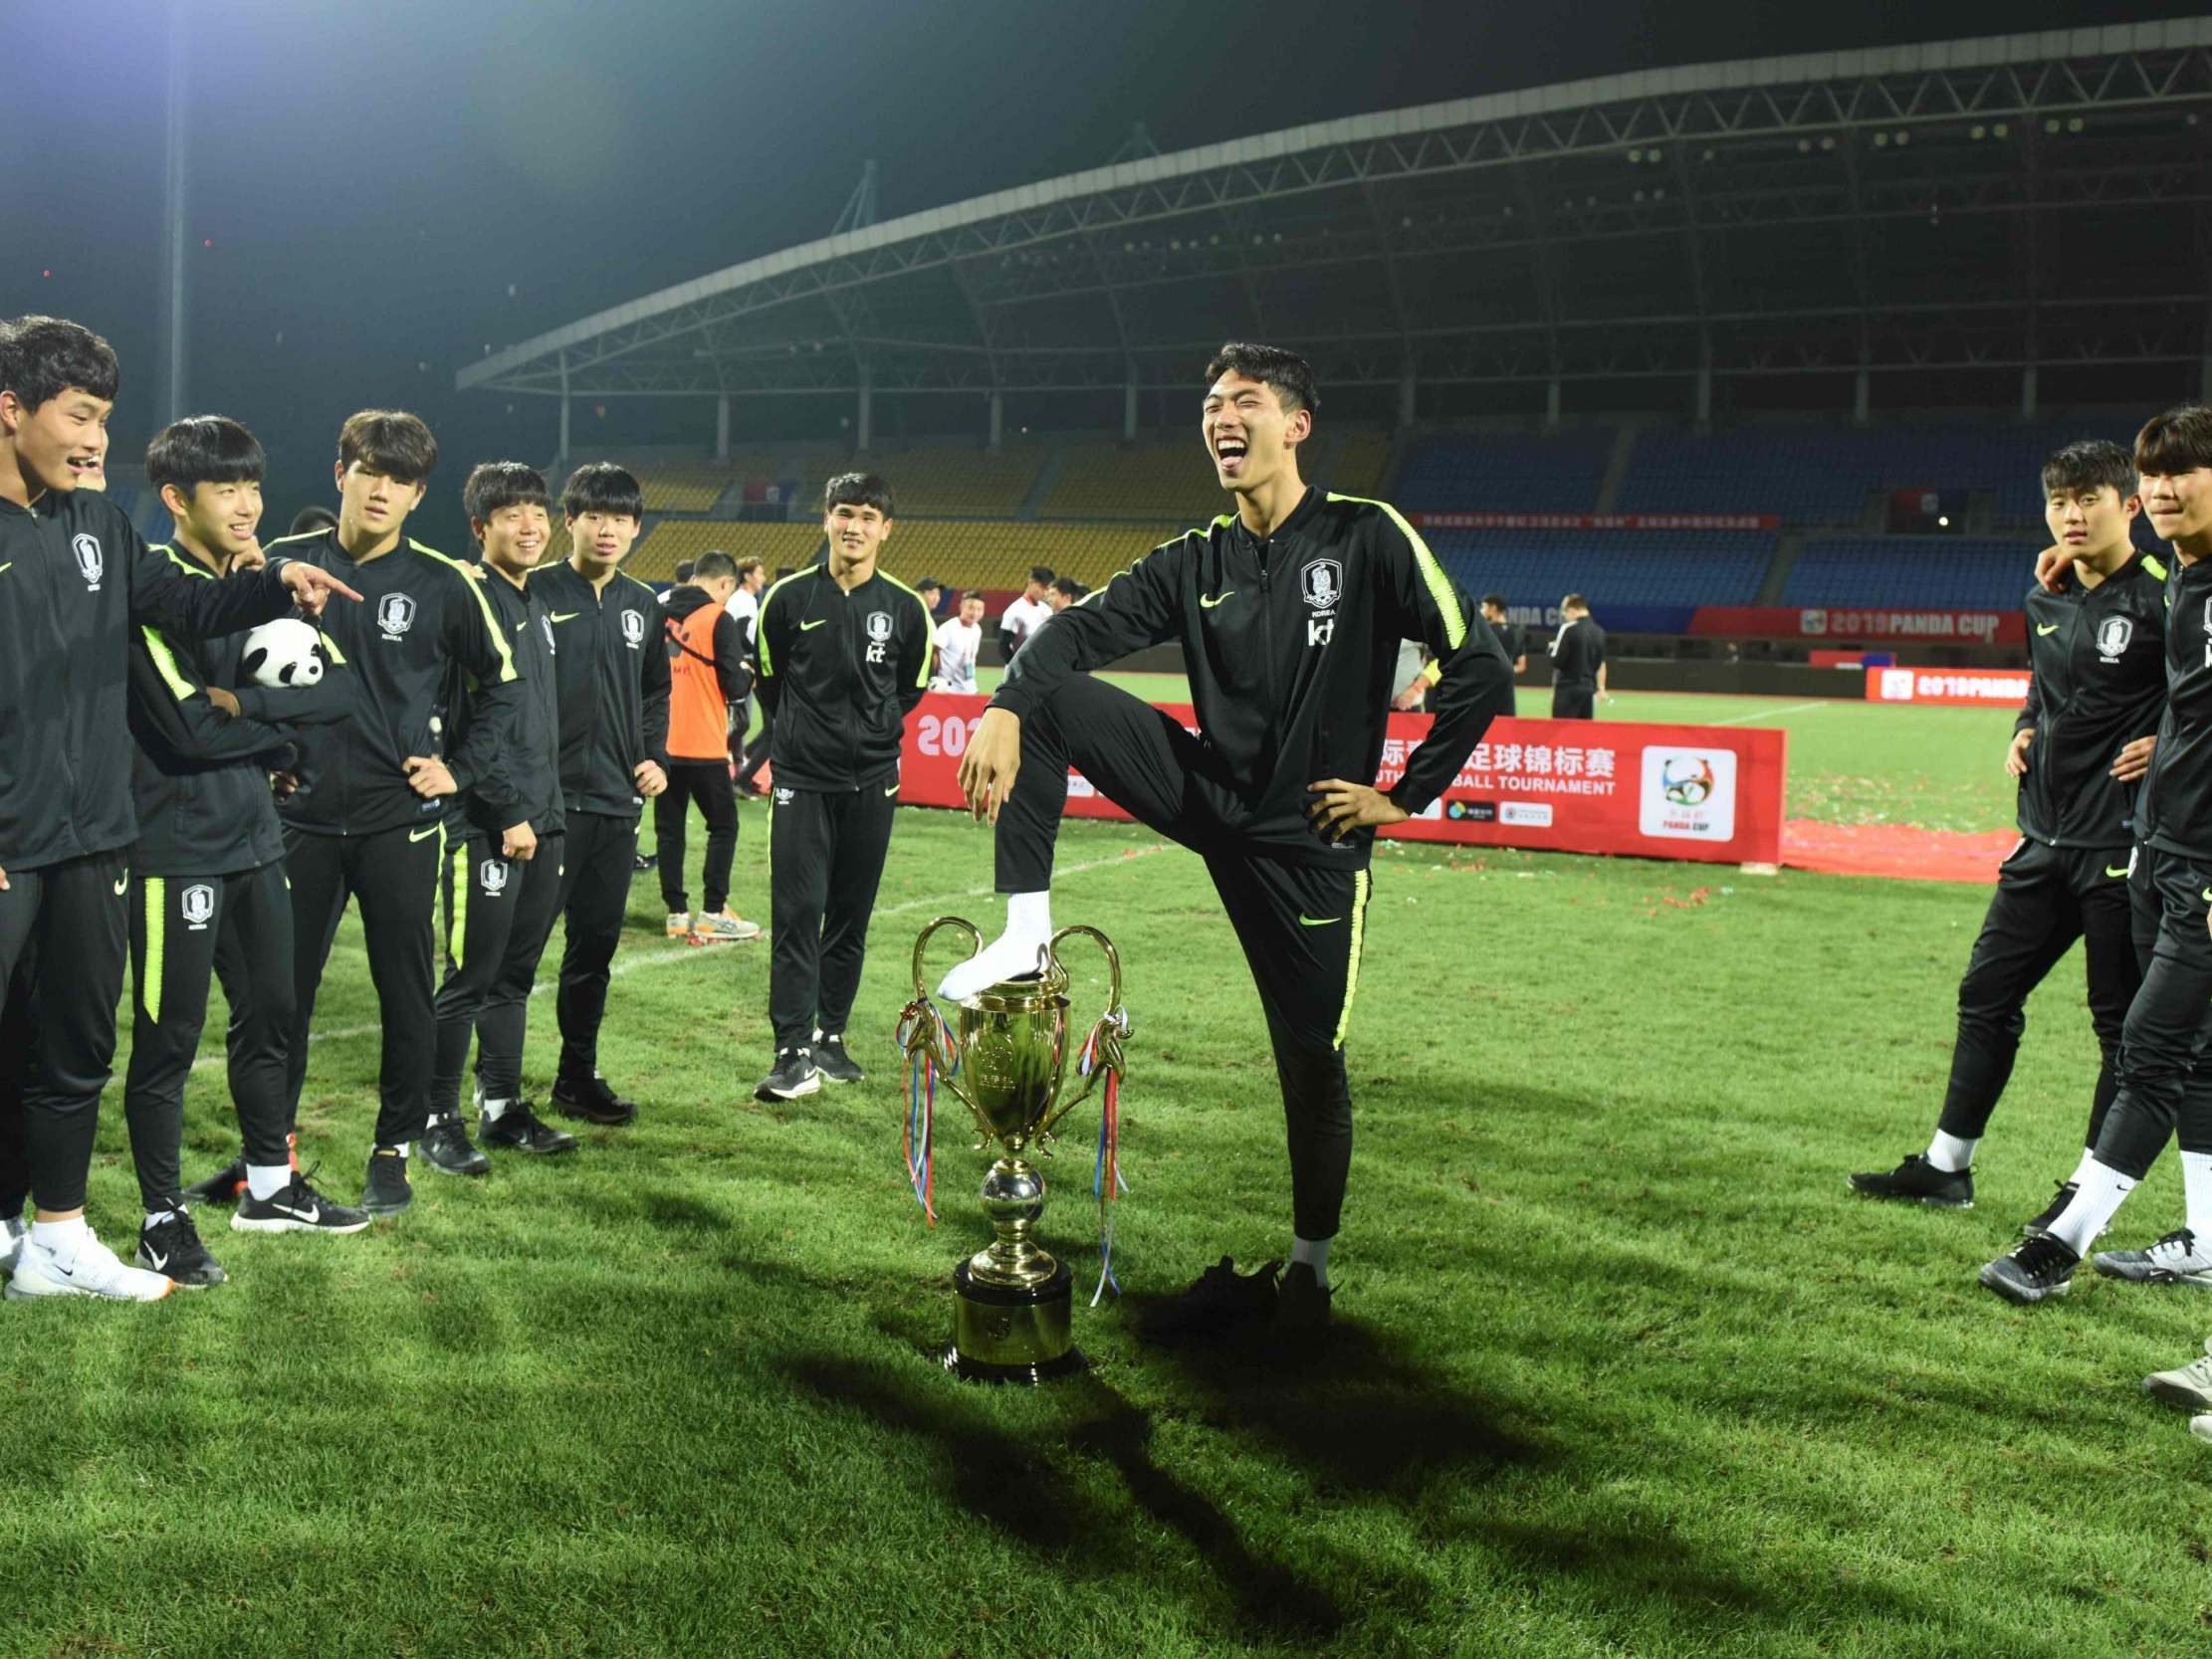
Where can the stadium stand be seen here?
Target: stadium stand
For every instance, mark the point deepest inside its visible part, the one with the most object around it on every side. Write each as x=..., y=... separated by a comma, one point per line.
x=672, y=540
x=1505, y=471
x=953, y=483
x=1615, y=567
x=1144, y=481
x=1360, y=461
x=962, y=552
x=1912, y=573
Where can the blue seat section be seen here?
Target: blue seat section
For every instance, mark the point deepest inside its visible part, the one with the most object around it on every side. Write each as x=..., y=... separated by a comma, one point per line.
x=1609, y=567
x=1823, y=475
x=1913, y=573
x=1505, y=471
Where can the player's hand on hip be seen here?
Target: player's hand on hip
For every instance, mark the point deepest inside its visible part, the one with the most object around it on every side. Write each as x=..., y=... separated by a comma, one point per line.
x=651, y=780
x=993, y=757
x=428, y=777
x=1340, y=807
x=2052, y=565
x=311, y=586
x=2133, y=759
x=519, y=842
x=2016, y=753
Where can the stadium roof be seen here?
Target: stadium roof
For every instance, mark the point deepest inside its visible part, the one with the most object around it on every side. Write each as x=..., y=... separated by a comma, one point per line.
x=2011, y=201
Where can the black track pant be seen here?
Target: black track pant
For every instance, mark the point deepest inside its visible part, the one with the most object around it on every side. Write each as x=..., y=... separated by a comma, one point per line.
x=185, y=931
x=2046, y=897
x=1301, y=925
x=2161, y=1086
x=594, y=898
x=64, y=940
x=395, y=875
x=825, y=860
x=1574, y=699
x=708, y=784
x=485, y=902
x=504, y=1017
x=756, y=754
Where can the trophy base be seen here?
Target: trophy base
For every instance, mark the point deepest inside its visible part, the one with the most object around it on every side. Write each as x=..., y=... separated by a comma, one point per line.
x=1009, y=1334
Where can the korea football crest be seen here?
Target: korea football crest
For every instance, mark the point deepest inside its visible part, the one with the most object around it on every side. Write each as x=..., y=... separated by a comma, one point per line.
x=89, y=562
x=196, y=904
x=2113, y=635
x=1321, y=583
x=633, y=628
x=493, y=875
x=879, y=635
x=395, y=614
x=544, y=621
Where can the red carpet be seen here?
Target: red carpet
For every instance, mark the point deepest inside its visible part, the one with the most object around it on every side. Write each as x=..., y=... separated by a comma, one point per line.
x=1919, y=855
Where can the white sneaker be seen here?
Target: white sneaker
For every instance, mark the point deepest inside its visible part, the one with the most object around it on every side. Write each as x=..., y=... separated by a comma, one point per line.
x=679, y=924
x=97, y=1271
x=2176, y=1259
x=13, y=1232
x=722, y=927
x=2188, y=1386
x=2201, y=1427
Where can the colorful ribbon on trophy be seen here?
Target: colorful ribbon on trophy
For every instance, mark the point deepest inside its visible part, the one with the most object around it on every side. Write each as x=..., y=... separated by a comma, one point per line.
x=921, y=1097
x=1106, y=1179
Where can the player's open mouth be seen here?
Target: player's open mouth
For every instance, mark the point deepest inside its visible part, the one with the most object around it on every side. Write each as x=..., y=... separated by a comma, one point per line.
x=1228, y=454
x=84, y=466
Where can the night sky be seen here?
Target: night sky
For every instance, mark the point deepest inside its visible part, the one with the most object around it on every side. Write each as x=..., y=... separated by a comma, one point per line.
x=386, y=189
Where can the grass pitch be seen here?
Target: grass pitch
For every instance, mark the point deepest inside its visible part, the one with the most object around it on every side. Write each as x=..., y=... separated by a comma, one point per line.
x=1622, y=1367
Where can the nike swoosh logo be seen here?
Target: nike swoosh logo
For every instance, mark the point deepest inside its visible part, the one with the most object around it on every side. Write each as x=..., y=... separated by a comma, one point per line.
x=1206, y=604
x=309, y=1214
x=565, y=616
x=894, y=789
x=125, y=882
x=2047, y=627
x=816, y=623
x=159, y=1261
x=10, y=565
x=2208, y=895
x=424, y=833
x=2122, y=870
x=1305, y=920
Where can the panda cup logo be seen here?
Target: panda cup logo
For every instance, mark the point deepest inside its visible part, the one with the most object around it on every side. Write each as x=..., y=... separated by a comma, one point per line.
x=89, y=562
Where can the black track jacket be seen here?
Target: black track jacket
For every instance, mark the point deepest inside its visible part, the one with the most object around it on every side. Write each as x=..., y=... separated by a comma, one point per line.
x=423, y=635
x=839, y=673
x=2099, y=656
x=2173, y=813
x=75, y=577
x=1290, y=646
x=529, y=789
x=610, y=664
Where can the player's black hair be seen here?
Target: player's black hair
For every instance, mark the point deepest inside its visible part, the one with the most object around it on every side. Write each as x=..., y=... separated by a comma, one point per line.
x=43, y=356
x=973, y=593
x=686, y=569
x=922, y=584
x=1495, y=600
x=311, y=520
x=713, y=565
x=1574, y=602
x=2090, y=464
x=1289, y=375
x=389, y=443
x=602, y=487
x=1042, y=573
x=747, y=565
x=204, y=448
x=2178, y=441
x=499, y=484
x=858, y=490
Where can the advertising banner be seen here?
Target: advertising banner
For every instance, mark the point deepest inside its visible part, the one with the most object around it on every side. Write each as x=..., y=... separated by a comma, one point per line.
x=1861, y=622
x=1596, y=521
x=1981, y=688
x=1711, y=793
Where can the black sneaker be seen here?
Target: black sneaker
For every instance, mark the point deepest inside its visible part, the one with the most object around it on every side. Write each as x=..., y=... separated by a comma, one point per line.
x=835, y=1065
x=1301, y=1305
x=1920, y=1181
x=1220, y=1303
x=173, y=1246
x=2042, y=1267
x=447, y=1145
x=642, y=862
x=796, y=1074
x=518, y=1130
x=226, y=1186
x=387, y=1191
x=2051, y=1212
x=594, y=1101
x=298, y=1208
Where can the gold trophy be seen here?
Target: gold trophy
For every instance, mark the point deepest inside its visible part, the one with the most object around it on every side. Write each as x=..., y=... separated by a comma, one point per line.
x=1008, y=1064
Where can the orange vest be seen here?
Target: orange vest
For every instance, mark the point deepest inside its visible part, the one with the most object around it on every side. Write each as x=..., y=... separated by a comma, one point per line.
x=698, y=719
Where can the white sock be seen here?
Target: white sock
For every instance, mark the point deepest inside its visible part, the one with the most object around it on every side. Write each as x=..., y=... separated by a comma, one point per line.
x=1950, y=1153
x=60, y=1239
x=2092, y=1209
x=266, y=1181
x=1011, y=953
x=2089, y=1157
x=2196, y=1185
x=1315, y=1254
x=489, y=1111
x=154, y=1219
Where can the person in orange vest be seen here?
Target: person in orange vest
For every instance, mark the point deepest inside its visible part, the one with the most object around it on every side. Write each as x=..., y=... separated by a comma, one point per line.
x=708, y=672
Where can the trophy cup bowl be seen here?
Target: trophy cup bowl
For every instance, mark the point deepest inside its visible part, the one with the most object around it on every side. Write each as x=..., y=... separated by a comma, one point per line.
x=1008, y=1064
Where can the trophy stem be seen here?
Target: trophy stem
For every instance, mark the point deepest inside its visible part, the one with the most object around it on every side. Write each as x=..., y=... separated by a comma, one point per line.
x=1012, y=1301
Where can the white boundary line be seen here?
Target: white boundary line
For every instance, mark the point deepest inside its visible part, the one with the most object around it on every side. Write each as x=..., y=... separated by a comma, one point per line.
x=687, y=952
x=1776, y=713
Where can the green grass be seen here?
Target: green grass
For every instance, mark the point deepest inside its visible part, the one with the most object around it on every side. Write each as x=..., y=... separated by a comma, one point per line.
x=1621, y=1368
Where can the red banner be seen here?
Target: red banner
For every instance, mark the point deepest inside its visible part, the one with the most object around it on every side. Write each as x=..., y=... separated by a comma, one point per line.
x=1596, y=521
x=1711, y=793
x=1990, y=688
x=1848, y=622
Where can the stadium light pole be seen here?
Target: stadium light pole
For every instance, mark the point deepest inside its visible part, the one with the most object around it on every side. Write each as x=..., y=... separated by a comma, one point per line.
x=171, y=390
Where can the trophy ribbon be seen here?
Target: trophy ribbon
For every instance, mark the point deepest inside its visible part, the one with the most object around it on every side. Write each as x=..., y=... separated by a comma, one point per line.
x=924, y=1036
x=1106, y=1180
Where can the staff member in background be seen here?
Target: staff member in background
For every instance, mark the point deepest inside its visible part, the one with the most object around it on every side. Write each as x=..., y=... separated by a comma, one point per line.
x=1577, y=662
x=1026, y=614
x=844, y=656
x=311, y=520
x=684, y=569
x=959, y=640
x=1510, y=634
x=707, y=674
x=744, y=610
x=1063, y=592
x=933, y=594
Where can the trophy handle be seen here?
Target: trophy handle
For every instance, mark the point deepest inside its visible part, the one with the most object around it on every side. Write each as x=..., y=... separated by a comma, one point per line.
x=1112, y=1026
x=922, y=941
x=919, y=1028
